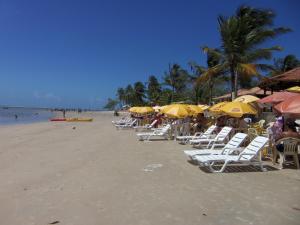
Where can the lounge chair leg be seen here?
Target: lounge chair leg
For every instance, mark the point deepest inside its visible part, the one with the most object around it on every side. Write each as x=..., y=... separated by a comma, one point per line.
x=281, y=160
x=217, y=171
x=296, y=160
x=262, y=167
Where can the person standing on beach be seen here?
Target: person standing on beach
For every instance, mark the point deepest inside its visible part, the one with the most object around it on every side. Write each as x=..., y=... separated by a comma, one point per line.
x=64, y=113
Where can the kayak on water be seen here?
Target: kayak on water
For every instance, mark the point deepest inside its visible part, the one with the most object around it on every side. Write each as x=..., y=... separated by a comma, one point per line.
x=79, y=119
x=57, y=119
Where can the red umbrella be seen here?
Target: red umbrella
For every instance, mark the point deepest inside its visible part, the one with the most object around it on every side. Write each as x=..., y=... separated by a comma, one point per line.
x=289, y=106
x=277, y=97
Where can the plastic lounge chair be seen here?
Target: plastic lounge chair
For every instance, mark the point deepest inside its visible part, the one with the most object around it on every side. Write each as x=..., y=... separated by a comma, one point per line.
x=290, y=147
x=146, y=127
x=221, y=137
x=247, y=157
x=162, y=133
x=122, y=121
x=198, y=135
x=127, y=125
x=232, y=146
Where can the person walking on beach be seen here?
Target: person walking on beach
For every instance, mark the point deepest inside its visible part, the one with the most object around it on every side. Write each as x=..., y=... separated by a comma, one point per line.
x=64, y=113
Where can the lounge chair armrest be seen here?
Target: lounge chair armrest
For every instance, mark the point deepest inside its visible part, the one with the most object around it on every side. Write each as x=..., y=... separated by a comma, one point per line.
x=234, y=150
x=242, y=154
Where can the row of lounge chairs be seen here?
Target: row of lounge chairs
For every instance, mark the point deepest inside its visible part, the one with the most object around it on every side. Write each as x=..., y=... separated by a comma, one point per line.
x=214, y=150
x=220, y=151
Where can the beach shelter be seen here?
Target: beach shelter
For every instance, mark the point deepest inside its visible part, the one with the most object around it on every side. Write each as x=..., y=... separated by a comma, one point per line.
x=289, y=106
x=277, y=97
x=195, y=109
x=246, y=99
x=176, y=110
x=238, y=109
x=294, y=89
x=216, y=108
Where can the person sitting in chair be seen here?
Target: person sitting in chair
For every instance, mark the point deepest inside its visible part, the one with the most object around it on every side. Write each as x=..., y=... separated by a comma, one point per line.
x=290, y=131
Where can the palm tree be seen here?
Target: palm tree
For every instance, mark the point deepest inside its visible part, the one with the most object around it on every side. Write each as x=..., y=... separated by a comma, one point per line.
x=241, y=38
x=154, y=89
x=282, y=65
x=177, y=79
x=121, y=95
x=207, y=75
x=139, y=93
x=128, y=95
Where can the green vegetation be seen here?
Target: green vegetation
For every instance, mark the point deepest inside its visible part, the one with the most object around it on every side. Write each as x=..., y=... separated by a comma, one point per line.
x=236, y=63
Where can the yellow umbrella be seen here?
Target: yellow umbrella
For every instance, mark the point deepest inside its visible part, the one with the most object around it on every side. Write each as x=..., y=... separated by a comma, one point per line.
x=195, y=109
x=216, y=108
x=294, y=89
x=176, y=110
x=133, y=109
x=144, y=110
x=204, y=107
x=157, y=108
x=238, y=109
x=246, y=99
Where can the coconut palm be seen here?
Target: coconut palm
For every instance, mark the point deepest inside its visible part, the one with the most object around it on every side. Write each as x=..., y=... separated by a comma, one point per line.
x=121, y=95
x=177, y=79
x=282, y=65
x=241, y=38
x=154, y=89
x=207, y=75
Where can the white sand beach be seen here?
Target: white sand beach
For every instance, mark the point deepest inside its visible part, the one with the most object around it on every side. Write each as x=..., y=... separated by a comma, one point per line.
x=91, y=174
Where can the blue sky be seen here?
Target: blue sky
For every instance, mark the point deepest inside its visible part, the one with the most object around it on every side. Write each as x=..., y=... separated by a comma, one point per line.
x=76, y=53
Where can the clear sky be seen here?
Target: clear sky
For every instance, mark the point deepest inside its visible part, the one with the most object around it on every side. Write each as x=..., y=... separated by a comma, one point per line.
x=76, y=53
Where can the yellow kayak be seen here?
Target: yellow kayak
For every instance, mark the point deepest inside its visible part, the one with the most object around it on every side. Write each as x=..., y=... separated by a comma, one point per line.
x=79, y=119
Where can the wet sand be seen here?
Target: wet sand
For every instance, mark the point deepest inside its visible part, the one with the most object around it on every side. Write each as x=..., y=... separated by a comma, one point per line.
x=90, y=174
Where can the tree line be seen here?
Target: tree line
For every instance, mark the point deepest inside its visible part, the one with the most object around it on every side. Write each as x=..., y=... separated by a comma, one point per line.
x=239, y=62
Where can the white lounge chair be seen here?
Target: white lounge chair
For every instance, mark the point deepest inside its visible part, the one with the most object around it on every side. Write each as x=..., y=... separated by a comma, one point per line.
x=221, y=138
x=198, y=135
x=131, y=124
x=122, y=121
x=161, y=133
x=145, y=127
x=249, y=156
x=220, y=149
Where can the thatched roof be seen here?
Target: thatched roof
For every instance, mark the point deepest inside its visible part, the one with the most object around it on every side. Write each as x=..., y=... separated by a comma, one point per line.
x=255, y=91
x=283, y=81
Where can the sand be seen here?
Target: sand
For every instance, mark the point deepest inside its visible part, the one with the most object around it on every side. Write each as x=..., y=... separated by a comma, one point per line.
x=94, y=174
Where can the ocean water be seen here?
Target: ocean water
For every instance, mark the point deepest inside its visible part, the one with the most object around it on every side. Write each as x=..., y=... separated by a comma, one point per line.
x=11, y=115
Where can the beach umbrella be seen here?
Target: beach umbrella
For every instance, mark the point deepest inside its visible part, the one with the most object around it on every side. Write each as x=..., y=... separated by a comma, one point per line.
x=156, y=108
x=289, y=106
x=246, y=99
x=216, y=108
x=277, y=97
x=144, y=110
x=238, y=109
x=204, y=107
x=176, y=110
x=195, y=109
x=133, y=109
x=294, y=89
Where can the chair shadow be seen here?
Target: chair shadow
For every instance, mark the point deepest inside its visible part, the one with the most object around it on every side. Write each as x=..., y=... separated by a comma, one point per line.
x=153, y=140
x=240, y=169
